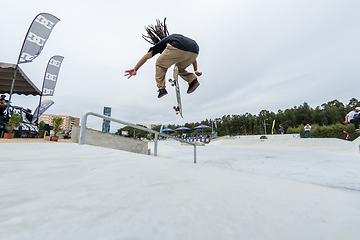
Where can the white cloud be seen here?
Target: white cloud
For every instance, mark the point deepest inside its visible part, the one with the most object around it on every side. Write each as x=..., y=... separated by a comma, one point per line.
x=254, y=55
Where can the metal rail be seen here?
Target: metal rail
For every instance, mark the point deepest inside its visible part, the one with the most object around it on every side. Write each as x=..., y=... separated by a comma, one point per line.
x=157, y=134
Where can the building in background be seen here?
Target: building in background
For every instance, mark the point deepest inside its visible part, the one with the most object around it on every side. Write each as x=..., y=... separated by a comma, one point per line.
x=68, y=121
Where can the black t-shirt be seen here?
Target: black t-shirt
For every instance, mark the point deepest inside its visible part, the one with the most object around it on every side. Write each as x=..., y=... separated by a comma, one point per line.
x=178, y=41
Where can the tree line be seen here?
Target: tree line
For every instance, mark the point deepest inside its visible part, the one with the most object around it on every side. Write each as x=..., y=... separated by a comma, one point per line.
x=323, y=117
x=292, y=120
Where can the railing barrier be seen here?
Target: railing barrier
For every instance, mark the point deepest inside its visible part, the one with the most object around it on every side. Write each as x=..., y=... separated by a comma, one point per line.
x=157, y=134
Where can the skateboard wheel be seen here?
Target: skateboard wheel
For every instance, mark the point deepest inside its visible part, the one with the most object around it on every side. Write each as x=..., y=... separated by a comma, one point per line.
x=177, y=113
x=174, y=107
x=172, y=84
x=169, y=79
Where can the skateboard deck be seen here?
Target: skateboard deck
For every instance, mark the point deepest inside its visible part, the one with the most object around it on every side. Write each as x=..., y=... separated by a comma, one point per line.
x=175, y=83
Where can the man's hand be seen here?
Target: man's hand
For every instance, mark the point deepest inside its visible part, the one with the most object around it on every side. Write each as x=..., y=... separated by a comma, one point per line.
x=130, y=73
x=198, y=73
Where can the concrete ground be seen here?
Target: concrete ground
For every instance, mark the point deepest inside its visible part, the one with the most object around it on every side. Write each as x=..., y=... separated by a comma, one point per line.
x=262, y=190
x=328, y=162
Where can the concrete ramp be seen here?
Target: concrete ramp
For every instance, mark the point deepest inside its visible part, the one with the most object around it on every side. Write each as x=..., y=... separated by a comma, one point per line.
x=164, y=146
x=352, y=148
x=300, y=142
x=101, y=139
x=73, y=191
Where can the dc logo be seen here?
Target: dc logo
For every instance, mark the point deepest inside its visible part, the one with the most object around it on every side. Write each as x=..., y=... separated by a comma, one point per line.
x=25, y=57
x=48, y=91
x=54, y=63
x=50, y=77
x=43, y=21
x=35, y=39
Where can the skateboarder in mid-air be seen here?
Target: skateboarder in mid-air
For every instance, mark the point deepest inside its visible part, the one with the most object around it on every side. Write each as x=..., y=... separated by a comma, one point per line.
x=353, y=117
x=174, y=49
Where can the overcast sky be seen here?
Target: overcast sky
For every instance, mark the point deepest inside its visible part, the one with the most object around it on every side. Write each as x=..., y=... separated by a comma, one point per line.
x=254, y=55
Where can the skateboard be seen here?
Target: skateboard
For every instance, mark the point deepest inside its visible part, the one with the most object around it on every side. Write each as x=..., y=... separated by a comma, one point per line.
x=175, y=83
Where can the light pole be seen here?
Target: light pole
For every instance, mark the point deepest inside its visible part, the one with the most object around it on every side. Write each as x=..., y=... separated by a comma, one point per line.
x=212, y=127
x=265, y=125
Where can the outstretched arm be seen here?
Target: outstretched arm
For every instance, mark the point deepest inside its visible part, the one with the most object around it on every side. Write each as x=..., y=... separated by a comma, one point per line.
x=195, y=69
x=132, y=72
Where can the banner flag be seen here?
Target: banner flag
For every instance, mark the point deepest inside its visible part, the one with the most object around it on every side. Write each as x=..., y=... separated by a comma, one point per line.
x=37, y=36
x=272, y=130
x=51, y=75
x=42, y=108
x=215, y=123
x=35, y=40
x=106, y=123
x=161, y=128
x=24, y=113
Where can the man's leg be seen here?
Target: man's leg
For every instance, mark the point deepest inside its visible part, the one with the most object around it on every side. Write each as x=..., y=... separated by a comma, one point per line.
x=162, y=64
x=188, y=59
x=356, y=122
x=189, y=77
x=168, y=57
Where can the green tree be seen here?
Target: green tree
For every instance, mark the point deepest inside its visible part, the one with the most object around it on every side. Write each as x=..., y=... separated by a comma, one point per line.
x=353, y=103
x=13, y=122
x=57, y=121
x=133, y=132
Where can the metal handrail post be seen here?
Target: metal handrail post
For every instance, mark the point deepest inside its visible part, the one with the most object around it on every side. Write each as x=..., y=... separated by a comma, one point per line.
x=195, y=153
x=156, y=144
x=83, y=128
x=157, y=134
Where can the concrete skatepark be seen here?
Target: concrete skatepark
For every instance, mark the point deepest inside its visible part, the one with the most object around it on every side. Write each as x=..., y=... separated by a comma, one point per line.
x=239, y=189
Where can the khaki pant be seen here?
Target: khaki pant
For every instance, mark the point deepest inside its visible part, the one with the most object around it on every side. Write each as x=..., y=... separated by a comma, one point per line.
x=182, y=59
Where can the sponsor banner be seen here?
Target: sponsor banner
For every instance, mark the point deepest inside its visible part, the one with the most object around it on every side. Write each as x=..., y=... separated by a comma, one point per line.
x=273, y=125
x=124, y=133
x=106, y=123
x=43, y=107
x=37, y=36
x=24, y=113
x=51, y=75
x=28, y=127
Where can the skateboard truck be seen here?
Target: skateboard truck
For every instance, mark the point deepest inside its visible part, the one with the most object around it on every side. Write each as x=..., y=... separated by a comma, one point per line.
x=172, y=82
x=176, y=110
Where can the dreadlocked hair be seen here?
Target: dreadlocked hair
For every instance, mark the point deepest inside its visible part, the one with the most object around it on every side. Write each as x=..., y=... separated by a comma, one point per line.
x=156, y=33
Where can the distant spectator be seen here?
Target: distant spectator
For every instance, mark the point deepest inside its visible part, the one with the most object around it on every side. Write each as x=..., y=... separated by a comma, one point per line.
x=307, y=129
x=281, y=129
x=66, y=135
x=3, y=100
x=346, y=135
x=2, y=105
x=353, y=117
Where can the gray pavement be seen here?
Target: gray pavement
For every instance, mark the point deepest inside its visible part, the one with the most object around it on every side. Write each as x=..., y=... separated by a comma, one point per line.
x=68, y=191
x=305, y=160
